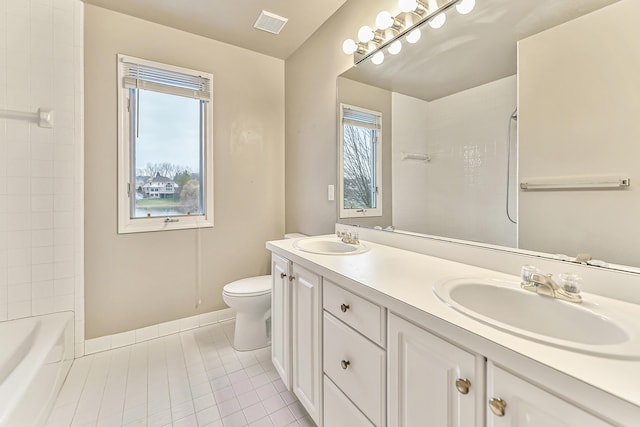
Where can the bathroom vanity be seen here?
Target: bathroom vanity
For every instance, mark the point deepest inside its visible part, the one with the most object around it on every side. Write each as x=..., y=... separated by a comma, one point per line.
x=363, y=340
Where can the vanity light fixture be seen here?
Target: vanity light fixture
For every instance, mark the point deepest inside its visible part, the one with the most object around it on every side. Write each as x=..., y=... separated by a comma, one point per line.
x=378, y=58
x=395, y=47
x=384, y=20
x=414, y=36
x=391, y=29
x=365, y=34
x=438, y=20
x=465, y=6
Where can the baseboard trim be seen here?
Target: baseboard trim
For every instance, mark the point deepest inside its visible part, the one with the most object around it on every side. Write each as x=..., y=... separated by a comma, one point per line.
x=109, y=342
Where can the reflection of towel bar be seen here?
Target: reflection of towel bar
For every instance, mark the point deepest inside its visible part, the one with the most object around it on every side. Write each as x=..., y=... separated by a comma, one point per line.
x=576, y=184
x=43, y=117
x=416, y=156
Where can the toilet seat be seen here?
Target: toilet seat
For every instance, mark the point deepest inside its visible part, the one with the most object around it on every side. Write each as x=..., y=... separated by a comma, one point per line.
x=252, y=286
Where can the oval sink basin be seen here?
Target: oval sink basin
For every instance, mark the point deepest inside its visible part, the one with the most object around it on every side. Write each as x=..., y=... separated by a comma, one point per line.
x=586, y=327
x=328, y=246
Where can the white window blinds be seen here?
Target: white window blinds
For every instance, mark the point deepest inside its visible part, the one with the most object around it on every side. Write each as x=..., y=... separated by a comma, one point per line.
x=142, y=74
x=362, y=118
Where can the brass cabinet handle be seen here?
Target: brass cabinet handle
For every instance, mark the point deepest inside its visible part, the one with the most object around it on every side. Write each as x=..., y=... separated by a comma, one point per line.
x=498, y=406
x=283, y=275
x=291, y=278
x=344, y=307
x=463, y=384
x=345, y=364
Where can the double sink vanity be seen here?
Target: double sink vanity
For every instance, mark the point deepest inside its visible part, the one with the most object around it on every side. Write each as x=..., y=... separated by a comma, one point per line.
x=366, y=334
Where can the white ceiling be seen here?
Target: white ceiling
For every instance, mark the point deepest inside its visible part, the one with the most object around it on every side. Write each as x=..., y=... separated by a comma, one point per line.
x=469, y=50
x=231, y=21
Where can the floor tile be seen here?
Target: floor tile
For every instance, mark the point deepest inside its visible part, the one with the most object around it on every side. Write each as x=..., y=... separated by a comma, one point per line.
x=273, y=403
x=235, y=420
x=262, y=422
x=255, y=412
x=191, y=379
x=229, y=407
x=282, y=417
x=248, y=399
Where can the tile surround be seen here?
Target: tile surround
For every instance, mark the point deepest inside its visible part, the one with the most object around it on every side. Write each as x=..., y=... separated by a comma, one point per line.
x=41, y=169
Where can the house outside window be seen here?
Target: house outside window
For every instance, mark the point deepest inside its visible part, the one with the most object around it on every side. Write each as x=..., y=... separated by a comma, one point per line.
x=165, y=147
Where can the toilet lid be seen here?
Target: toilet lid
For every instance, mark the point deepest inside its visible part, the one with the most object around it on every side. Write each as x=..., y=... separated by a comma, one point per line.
x=250, y=286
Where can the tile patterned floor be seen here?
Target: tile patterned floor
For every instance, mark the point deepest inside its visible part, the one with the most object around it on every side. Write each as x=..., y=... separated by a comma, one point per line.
x=194, y=378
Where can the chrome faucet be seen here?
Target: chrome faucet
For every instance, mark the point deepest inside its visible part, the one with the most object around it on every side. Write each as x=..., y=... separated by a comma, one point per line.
x=349, y=238
x=543, y=284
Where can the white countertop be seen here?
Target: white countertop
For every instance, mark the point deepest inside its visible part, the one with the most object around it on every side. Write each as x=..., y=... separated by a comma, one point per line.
x=398, y=278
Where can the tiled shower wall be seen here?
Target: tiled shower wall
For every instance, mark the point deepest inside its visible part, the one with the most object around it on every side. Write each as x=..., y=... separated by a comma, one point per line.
x=41, y=169
x=462, y=191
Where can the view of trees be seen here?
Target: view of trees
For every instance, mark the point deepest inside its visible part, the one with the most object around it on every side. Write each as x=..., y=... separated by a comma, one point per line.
x=190, y=195
x=359, y=164
x=165, y=169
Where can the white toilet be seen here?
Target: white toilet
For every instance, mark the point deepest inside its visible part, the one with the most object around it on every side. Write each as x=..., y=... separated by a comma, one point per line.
x=251, y=299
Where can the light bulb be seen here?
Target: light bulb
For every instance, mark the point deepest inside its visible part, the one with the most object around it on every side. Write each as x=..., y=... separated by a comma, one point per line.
x=438, y=21
x=378, y=58
x=395, y=47
x=465, y=6
x=349, y=46
x=414, y=36
x=365, y=34
x=384, y=20
x=408, y=5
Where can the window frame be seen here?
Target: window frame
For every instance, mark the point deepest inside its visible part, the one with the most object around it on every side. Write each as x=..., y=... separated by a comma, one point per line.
x=359, y=213
x=126, y=168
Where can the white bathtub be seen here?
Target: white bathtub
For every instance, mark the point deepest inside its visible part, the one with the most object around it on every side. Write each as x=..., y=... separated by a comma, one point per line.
x=35, y=357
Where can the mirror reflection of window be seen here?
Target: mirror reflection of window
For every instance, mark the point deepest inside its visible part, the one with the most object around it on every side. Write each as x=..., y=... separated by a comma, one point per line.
x=360, y=169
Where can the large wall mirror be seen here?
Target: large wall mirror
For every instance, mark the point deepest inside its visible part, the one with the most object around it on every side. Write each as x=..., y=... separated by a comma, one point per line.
x=515, y=125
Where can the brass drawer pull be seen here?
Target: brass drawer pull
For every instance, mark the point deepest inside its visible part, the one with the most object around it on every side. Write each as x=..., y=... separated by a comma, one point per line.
x=283, y=275
x=498, y=406
x=463, y=384
x=292, y=278
x=345, y=364
x=344, y=308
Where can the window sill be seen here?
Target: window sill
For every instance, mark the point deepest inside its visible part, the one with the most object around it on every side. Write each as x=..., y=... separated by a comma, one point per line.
x=367, y=213
x=147, y=225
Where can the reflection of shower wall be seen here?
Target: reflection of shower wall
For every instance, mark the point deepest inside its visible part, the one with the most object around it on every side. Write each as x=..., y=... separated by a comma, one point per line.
x=461, y=192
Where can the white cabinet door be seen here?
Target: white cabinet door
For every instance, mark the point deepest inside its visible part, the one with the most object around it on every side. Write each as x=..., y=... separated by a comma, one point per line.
x=281, y=318
x=423, y=375
x=306, y=326
x=526, y=405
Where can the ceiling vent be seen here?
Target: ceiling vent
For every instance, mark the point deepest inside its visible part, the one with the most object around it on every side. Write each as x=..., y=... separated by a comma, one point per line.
x=270, y=22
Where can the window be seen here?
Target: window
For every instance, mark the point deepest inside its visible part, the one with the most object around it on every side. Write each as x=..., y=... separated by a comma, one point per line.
x=165, y=148
x=360, y=162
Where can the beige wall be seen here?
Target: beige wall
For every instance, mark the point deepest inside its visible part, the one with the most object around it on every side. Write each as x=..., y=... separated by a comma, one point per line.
x=376, y=99
x=579, y=115
x=142, y=279
x=311, y=117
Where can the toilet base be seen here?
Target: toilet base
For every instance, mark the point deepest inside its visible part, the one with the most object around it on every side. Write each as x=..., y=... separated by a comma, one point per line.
x=251, y=331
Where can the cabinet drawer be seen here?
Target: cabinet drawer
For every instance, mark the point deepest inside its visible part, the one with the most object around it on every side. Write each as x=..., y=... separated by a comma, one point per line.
x=357, y=367
x=338, y=409
x=364, y=316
